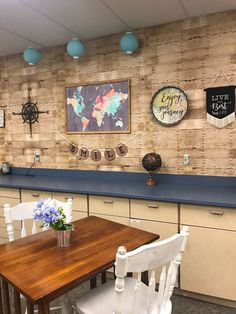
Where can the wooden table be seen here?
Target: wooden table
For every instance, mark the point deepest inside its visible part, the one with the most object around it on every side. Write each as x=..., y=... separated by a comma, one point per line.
x=40, y=270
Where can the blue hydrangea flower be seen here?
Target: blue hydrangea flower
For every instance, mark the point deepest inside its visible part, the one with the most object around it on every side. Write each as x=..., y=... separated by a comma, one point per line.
x=51, y=215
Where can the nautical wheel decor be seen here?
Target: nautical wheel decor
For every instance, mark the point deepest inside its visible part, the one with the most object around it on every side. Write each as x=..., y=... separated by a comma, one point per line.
x=30, y=112
x=152, y=163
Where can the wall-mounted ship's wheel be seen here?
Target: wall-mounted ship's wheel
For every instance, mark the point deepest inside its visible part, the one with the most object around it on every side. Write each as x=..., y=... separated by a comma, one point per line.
x=30, y=112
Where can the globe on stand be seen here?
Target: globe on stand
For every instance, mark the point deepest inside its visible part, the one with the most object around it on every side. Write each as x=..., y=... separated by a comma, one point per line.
x=152, y=163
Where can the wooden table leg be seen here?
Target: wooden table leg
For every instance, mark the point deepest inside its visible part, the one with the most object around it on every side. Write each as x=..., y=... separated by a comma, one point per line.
x=93, y=283
x=43, y=307
x=17, y=303
x=30, y=307
x=5, y=297
x=104, y=277
x=1, y=308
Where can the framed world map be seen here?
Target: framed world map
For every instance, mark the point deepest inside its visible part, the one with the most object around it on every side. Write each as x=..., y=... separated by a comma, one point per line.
x=169, y=105
x=98, y=107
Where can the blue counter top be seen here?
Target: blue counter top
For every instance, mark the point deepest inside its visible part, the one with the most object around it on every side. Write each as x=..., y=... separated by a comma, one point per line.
x=189, y=189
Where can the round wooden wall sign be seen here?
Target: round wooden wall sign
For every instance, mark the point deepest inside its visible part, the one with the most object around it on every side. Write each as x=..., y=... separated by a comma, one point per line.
x=169, y=105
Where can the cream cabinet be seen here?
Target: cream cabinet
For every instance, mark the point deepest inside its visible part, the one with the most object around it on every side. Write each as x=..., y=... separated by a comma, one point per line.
x=12, y=197
x=154, y=216
x=79, y=205
x=111, y=208
x=208, y=265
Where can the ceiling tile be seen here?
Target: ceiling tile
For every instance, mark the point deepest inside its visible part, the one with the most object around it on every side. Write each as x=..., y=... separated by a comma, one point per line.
x=87, y=18
x=18, y=18
x=204, y=7
x=139, y=13
x=11, y=43
x=45, y=23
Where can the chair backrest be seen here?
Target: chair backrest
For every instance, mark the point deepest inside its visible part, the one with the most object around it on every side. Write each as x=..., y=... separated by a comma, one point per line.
x=24, y=212
x=165, y=255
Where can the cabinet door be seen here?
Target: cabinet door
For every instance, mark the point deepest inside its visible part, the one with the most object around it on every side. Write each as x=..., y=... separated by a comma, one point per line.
x=164, y=230
x=79, y=203
x=208, y=264
x=105, y=205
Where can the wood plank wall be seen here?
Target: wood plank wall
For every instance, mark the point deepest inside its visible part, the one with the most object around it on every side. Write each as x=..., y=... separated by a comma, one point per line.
x=187, y=54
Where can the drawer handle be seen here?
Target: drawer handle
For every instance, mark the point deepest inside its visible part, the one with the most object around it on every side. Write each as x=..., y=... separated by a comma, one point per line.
x=67, y=197
x=107, y=202
x=216, y=213
x=35, y=194
x=153, y=206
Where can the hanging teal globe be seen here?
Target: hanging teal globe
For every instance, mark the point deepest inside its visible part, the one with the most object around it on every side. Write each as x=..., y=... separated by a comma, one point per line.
x=31, y=55
x=75, y=48
x=129, y=43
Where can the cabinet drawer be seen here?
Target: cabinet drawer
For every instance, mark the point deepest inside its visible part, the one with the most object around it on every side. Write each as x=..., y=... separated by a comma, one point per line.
x=34, y=195
x=109, y=205
x=121, y=220
x=208, y=216
x=79, y=200
x=154, y=210
x=14, y=193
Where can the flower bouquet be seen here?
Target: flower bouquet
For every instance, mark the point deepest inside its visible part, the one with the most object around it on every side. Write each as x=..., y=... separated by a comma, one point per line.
x=51, y=215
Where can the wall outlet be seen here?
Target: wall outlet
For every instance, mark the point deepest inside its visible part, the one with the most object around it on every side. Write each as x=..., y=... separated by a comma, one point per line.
x=37, y=158
x=186, y=160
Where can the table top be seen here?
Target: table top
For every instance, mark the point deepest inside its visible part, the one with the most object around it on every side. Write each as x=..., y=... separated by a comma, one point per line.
x=39, y=269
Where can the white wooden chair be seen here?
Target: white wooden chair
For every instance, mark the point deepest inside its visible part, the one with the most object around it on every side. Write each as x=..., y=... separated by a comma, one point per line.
x=130, y=295
x=23, y=213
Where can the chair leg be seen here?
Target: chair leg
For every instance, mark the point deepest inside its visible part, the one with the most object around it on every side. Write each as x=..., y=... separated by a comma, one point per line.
x=65, y=308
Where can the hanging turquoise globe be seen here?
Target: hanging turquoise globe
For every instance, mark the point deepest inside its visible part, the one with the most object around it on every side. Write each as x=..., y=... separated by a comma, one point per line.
x=129, y=43
x=31, y=55
x=75, y=48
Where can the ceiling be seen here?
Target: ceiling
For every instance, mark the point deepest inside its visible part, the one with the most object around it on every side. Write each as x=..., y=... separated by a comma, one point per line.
x=44, y=23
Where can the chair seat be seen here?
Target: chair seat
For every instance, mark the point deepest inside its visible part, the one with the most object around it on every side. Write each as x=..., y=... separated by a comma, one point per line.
x=102, y=299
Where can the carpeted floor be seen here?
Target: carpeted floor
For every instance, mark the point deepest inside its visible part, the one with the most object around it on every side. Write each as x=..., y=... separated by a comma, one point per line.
x=181, y=305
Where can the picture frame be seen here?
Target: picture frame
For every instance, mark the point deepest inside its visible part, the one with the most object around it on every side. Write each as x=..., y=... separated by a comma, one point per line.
x=100, y=107
x=169, y=105
x=2, y=118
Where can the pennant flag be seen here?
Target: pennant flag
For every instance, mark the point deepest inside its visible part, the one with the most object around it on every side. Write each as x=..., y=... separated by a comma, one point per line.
x=220, y=103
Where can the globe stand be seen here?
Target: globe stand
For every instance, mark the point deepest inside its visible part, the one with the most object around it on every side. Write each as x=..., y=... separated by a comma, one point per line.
x=151, y=181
